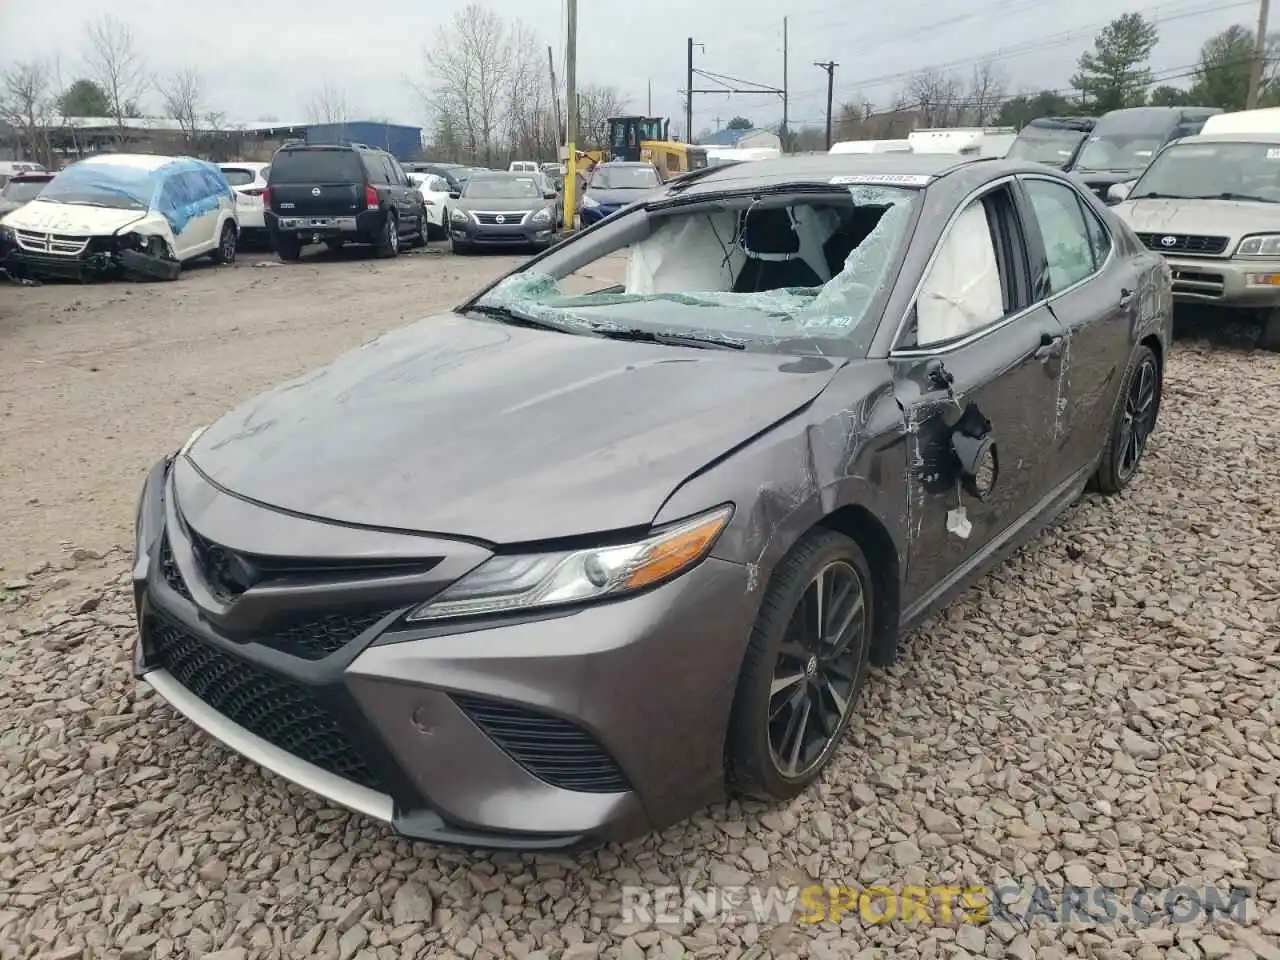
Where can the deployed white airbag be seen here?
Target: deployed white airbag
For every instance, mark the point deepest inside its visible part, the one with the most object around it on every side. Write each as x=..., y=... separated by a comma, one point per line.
x=694, y=254
x=962, y=291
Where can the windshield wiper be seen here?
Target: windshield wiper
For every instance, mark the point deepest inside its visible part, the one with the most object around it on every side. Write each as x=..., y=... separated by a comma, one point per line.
x=515, y=318
x=1233, y=196
x=1152, y=195
x=670, y=339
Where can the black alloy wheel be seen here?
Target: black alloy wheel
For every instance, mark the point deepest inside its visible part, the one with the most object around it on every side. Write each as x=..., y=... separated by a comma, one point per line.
x=1134, y=422
x=804, y=667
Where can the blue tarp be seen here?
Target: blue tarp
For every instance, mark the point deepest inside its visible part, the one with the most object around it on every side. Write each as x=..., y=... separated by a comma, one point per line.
x=182, y=189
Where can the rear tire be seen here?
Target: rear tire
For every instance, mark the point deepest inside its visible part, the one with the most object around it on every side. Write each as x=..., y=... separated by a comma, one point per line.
x=387, y=243
x=1132, y=424
x=288, y=247
x=225, y=252
x=423, y=236
x=789, y=677
x=1270, y=339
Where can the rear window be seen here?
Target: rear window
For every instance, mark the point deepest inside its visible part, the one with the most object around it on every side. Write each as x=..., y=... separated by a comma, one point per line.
x=316, y=166
x=238, y=176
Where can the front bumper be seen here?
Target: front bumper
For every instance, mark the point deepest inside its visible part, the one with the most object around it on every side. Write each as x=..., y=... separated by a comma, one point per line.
x=598, y=723
x=524, y=233
x=1227, y=283
x=31, y=254
x=590, y=215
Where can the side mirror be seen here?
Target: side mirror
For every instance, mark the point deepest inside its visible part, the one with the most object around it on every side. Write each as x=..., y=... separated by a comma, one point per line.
x=1118, y=192
x=550, y=195
x=455, y=194
x=976, y=456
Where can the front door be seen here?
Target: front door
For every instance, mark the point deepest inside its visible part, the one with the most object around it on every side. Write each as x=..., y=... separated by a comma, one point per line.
x=980, y=348
x=1094, y=295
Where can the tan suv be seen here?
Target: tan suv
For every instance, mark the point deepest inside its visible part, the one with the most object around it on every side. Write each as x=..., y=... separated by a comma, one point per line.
x=1211, y=205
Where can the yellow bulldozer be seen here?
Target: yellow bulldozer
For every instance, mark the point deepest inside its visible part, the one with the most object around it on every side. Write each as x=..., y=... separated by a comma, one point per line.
x=647, y=138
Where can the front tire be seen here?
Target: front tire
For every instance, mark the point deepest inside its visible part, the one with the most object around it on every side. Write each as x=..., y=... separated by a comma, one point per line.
x=388, y=243
x=1132, y=424
x=225, y=252
x=1270, y=339
x=804, y=667
x=461, y=249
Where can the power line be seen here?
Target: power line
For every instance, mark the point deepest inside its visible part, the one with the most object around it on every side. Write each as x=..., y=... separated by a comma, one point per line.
x=1047, y=42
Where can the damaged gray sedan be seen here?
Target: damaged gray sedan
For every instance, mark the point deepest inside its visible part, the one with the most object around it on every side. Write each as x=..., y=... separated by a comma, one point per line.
x=622, y=533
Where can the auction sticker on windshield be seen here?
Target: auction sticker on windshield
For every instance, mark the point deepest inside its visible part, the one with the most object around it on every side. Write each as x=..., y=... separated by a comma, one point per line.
x=899, y=179
x=1273, y=153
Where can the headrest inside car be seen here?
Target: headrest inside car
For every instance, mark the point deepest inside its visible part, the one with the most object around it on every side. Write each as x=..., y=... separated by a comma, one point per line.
x=769, y=231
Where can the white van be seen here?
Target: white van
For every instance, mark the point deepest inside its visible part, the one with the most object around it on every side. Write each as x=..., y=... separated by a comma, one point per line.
x=966, y=141
x=11, y=168
x=1266, y=120
x=871, y=146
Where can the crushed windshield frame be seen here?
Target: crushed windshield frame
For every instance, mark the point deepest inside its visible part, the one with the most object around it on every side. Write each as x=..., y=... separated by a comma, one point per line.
x=816, y=323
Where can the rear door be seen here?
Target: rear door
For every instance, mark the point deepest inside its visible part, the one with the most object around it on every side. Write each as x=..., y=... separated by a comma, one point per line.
x=407, y=197
x=317, y=182
x=1092, y=291
x=976, y=346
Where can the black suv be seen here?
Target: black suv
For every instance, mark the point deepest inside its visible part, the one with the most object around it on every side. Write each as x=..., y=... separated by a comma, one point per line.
x=339, y=193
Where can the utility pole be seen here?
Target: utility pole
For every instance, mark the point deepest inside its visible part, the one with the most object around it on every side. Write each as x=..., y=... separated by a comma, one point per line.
x=783, y=137
x=1259, y=55
x=650, y=113
x=555, y=98
x=571, y=125
x=830, y=67
x=688, y=103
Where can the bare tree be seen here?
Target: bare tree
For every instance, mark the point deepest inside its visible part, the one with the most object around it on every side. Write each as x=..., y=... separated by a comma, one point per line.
x=939, y=97
x=470, y=78
x=530, y=119
x=596, y=104
x=28, y=100
x=986, y=93
x=117, y=67
x=183, y=95
x=327, y=105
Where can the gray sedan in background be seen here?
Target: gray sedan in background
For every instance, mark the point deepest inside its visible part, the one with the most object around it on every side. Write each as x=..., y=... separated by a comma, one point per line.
x=503, y=210
x=591, y=551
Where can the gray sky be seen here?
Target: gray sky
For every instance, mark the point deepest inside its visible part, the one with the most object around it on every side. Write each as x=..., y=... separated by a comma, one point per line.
x=268, y=57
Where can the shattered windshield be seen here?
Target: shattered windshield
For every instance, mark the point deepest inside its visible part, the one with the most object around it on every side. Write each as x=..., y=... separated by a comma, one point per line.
x=118, y=186
x=784, y=272
x=608, y=177
x=1214, y=171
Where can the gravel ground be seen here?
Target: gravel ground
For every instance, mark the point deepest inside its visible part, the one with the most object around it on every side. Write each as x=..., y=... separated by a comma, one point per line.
x=1103, y=709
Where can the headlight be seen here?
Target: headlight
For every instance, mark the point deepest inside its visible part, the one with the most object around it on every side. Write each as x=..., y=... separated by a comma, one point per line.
x=542, y=216
x=1260, y=245
x=590, y=202
x=515, y=583
x=458, y=216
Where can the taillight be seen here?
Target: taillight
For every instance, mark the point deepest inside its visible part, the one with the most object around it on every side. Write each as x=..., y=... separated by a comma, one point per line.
x=266, y=197
x=371, y=198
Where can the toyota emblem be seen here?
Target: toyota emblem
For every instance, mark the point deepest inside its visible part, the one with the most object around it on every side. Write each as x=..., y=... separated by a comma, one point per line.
x=1168, y=241
x=499, y=219
x=315, y=191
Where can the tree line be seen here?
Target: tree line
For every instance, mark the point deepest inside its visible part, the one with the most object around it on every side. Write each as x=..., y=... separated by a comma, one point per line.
x=489, y=87
x=1115, y=73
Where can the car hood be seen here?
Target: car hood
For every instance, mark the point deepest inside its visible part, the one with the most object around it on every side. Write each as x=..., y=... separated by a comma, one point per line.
x=1219, y=218
x=71, y=218
x=504, y=434
x=617, y=197
x=521, y=205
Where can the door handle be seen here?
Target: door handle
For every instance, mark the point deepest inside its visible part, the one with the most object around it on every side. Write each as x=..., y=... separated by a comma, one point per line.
x=1050, y=347
x=1126, y=297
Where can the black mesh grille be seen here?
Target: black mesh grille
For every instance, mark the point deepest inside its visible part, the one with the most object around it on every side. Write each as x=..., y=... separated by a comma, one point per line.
x=169, y=568
x=552, y=749
x=317, y=638
x=279, y=711
x=1183, y=243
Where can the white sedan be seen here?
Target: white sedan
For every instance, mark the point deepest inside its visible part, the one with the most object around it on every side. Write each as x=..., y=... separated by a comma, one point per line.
x=248, y=180
x=435, y=196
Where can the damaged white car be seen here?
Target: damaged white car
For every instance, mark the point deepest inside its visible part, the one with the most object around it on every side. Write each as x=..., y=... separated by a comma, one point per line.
x=123, y=215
